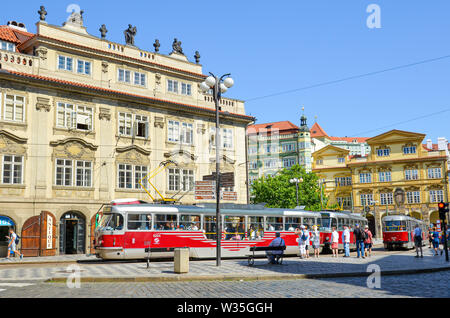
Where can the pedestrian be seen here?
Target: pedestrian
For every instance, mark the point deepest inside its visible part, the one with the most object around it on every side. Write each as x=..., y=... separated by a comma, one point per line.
x=430, y=236
x=368, y=242
x=12, y=245
x=308, y=241
x=359, y=236
x=334, y=241
x=274, y=256
x=435, y=236
x=301, y=241
x=346, y=241
x=316, y=241
x=418, y=240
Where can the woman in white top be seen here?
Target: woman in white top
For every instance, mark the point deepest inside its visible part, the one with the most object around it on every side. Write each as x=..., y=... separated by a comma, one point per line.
x=334, y=242
x=316, y=241
x=301, y=241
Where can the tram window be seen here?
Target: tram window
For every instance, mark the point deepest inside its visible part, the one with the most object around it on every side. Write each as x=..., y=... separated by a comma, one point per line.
x=393, y=226
x=291, y=224
x=324, y=224
x=234, y=228
x=274, y=223
x=209, y=226
x=139, y=222
x=165, y=222
x=255, y=227
x=333, y=222
x=341, y=224
x=113, y=221
x=309, y=222
x=189, y=222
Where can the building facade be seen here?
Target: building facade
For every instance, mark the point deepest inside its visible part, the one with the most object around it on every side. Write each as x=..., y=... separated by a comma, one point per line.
x=83, y=120
x=399, y=176
x=275, y=146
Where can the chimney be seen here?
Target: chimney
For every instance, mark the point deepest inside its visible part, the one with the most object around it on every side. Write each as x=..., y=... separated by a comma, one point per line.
x=17, y=25
x=430, y=144
x=443, y=144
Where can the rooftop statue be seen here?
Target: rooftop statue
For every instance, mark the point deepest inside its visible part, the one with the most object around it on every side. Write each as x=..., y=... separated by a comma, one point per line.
x=42, y=13
x=76, y=19
x=197, y=57
x=176, y=46
x=103, y=30
x=156, y=45
x=130, y=33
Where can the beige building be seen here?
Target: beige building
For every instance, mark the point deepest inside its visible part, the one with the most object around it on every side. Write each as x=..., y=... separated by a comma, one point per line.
x=83, y=119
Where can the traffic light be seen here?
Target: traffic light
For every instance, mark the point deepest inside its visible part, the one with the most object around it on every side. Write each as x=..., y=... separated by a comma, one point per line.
x=443, y=209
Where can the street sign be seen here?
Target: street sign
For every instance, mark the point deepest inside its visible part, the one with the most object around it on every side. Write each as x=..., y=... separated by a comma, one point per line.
x=205, y=190
x=229, y=196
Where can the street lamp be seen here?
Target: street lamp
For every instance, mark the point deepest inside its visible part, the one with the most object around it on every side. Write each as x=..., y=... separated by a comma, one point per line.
x=296, y=181
x=218, y=86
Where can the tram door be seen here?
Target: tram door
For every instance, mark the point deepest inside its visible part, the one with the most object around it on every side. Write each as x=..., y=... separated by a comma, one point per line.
x=72, y=234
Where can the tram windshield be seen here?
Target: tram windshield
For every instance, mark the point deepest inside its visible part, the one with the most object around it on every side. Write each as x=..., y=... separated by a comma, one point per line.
x=393, y=226
x=324, y=224
x=111, y=222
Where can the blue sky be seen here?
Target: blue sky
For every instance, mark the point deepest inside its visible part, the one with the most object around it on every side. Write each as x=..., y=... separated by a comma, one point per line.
x=276, y=46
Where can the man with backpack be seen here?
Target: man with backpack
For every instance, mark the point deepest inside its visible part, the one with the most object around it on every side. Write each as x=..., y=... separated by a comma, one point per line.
x=13, y=242
x=359, y=236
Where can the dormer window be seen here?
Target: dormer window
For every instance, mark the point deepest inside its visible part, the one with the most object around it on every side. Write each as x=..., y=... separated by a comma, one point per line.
x=383, y=152
x=7, y=46
x=409, y=150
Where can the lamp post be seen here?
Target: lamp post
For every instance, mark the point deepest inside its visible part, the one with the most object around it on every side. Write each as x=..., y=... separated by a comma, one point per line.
x=218, y=86
x=296, y=181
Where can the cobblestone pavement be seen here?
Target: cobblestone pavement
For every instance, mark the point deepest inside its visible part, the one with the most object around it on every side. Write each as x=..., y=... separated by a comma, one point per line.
x=324, y=265
x=417, y=285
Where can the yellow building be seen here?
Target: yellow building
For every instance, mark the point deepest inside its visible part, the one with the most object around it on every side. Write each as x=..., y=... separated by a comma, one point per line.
x=83, y=119
x=399, y=176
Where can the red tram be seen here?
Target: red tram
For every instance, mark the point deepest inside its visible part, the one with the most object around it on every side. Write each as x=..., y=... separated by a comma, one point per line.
x=398, y=231
x=138, y=231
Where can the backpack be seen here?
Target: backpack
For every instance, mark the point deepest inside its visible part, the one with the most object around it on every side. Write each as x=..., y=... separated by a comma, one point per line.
x=17, y=239
x=304, y=237
x=364, y=235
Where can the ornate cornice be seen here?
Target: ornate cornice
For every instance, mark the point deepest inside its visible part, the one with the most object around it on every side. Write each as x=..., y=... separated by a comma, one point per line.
x=134, y=147
x=43, y=103
x=73, y=139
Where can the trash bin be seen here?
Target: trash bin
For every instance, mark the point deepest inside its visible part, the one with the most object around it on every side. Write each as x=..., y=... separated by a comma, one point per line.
x=181, y=260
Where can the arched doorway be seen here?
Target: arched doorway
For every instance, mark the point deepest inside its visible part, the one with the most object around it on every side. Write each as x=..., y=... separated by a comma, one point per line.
x=72, y=233
x=371, y=221
x=434, y=216
x=5, y=224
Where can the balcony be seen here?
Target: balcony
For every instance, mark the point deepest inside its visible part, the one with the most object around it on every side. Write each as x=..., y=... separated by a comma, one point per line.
x=13, y=61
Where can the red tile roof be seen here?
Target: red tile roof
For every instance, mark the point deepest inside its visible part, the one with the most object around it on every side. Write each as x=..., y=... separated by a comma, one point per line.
x=435, y=147
x=317, y=131
x=13, y=35
x=74, y=84
x=281, y=126
x=350, y=139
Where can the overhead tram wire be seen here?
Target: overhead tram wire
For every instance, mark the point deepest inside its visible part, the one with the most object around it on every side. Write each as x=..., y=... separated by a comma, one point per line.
x=350, y=78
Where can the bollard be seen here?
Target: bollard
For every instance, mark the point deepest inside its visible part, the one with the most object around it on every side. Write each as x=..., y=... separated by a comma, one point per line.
x=181, y=260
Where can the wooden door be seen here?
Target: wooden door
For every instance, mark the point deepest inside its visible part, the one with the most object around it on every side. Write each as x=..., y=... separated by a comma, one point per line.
x=48, y=234
x=30, y=237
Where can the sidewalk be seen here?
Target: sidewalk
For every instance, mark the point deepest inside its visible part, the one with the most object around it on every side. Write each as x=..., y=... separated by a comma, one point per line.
x=293, y=268
x=47, y=259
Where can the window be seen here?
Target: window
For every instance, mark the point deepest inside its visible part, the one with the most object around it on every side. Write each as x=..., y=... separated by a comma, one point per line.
x=140, y=79
x=292, y=223
x=187, y=133
x=319, y=161
x=83, y=174
x=12, y=169
x=409, y=150
x=383, y=152
x=288, y=147
x=253, y=165
x=271, y=163
x=387, y=198
x=181, y=180
x=365, y=178
x=190, y=222
x=288, y=162
x=83, y=67
x=274, y=223
x=186, y=89
x=125, y=124
x=385, y=176
x=173, y=131
x=252, y=150
x=436, y=196
x=124, y=76
x=172, y=86
x=141, y=126
x=7, y=46
x=165, y=222
x=434, y=173
x=343, y=181
x=227, y=138
x=411, y=174
x=366, y=199
x=413, y=197
x=14, y=109
x=63, y=172
x=127, y=172
x=234, y=228
x=74, y=117
x=344, y=202
x=255, y=227
x=139, y=222
x=341, y=160
x=65, y=63
x=209, y=226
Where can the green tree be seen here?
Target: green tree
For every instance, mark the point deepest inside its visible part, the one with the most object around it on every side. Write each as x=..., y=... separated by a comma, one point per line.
x=278, y=192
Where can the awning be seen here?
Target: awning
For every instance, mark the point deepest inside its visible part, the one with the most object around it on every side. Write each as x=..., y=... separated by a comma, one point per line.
x=6, y=221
